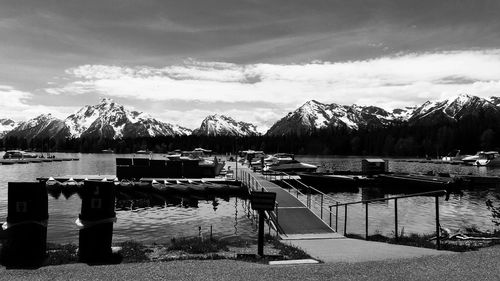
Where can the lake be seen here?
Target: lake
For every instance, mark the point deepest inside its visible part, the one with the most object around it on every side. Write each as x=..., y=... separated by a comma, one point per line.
x=228, y=217
x=147, y=223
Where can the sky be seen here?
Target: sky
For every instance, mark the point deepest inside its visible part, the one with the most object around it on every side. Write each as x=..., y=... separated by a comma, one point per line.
x=252, y=60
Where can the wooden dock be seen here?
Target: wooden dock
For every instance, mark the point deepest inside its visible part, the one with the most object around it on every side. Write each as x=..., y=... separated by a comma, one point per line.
x=293, y=220
x=34, y=160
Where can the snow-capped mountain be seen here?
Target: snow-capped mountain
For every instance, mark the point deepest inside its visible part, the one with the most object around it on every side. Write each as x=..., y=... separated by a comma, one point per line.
x=43, y=126
x=220, y=125
x=6, y=125
x=453, y=109
x=111, y=120
x=314, y=115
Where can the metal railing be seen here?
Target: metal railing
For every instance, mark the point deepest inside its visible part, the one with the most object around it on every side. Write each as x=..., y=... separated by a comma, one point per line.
x=436, y=194
x=281, y=176
x=308, y=188
x=251, y=182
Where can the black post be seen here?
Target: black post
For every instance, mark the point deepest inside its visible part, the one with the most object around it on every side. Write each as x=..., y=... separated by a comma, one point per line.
x=27, y=215
x=337, y=217
x=96, y=219
x=321, y=206
x=438, y=242
x=396, y=219
x=345, y=220
x=260, y=249
x=330, y=221
x=366, y=221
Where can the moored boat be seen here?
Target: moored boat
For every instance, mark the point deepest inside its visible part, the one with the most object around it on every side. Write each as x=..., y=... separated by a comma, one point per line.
x=488, y=158
x=18, y=154
x=287, y=163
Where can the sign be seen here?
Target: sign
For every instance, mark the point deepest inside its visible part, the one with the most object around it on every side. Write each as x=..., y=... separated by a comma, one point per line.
x=264, y=201
x=21, y=206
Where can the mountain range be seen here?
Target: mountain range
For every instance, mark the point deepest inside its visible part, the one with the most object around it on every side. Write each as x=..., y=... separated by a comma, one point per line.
x=314, y=115
x=111, y=120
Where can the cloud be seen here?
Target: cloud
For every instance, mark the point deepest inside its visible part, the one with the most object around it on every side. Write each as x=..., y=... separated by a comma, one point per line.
x=388, y=82
x=400, y=79
x=16, y=105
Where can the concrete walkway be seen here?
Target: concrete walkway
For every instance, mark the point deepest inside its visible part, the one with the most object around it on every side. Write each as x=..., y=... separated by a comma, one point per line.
x=354, y=250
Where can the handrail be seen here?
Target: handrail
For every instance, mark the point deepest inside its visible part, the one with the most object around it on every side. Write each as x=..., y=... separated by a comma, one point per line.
x=254, y=184
x=307, y=186
x=436, y=192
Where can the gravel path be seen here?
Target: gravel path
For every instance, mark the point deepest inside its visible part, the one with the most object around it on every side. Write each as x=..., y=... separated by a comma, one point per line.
x=479, y=265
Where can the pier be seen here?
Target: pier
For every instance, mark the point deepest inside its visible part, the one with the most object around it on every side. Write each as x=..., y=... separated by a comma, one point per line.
x=292, y=218
x=299, y=226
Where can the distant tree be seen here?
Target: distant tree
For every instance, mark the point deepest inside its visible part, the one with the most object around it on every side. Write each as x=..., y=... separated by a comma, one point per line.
x=487, y=139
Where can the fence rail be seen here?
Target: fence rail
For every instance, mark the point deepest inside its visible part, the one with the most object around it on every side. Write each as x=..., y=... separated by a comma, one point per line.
x=253, y=184
x=281, y=176
x=436, y=194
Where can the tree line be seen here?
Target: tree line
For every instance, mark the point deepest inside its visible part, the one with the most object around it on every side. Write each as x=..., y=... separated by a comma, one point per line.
x=470, y=134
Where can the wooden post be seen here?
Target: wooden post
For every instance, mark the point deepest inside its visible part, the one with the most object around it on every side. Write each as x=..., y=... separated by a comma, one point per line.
x=345, y=220
x=438, y=242
x=260, y=250
x=366, y=221
x=396, y=235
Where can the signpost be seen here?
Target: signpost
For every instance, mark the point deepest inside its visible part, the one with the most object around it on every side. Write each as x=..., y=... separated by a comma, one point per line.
x=262, y=201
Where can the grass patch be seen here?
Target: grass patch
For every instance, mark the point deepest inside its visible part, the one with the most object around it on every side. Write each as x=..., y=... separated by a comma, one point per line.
x=196, y=245
x=287, y=251
x=429, y=241
x=61, y=254
x=185, y=248
x=133, y=251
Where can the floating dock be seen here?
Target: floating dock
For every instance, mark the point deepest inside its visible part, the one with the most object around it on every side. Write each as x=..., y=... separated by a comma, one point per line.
x=161, y=189
x=34, y=160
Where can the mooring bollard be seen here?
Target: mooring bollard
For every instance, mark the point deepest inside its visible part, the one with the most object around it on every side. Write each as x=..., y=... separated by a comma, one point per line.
x=26, y=224
x=96, y=222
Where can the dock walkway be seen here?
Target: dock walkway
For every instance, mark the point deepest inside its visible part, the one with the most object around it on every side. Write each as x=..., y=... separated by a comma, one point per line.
x=301, y=228
x=294, y=219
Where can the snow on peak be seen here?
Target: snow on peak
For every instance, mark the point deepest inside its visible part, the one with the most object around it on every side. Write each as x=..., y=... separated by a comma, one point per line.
x=6, y=125
x=114, y=120
x=221, y=125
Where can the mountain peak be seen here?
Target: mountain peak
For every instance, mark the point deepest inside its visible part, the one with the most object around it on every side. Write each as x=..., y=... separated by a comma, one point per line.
x=111, y=120
x=221, y=125
x=107, y=101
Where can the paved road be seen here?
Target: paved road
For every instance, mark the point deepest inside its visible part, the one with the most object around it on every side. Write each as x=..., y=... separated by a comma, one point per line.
x=479, y=265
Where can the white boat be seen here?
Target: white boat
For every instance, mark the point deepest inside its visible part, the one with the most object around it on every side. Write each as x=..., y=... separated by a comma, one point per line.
x=488, y=158
x=471, y=159
x=251, y=156
x=284, y=162
x=18, y=154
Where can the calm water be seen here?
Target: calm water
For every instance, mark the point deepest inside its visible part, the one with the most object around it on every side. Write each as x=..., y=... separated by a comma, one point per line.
x=148, y=224
x=229, y=217
x=417, y=214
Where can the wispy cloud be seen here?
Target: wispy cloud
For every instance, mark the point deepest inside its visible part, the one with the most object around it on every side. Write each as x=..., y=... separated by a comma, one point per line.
x=387, y=81
x=16, y=105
